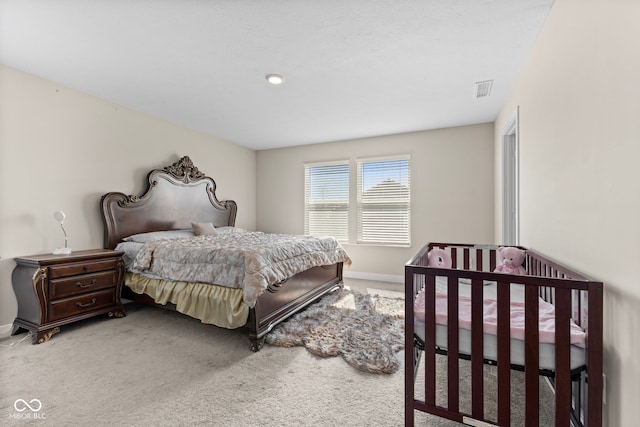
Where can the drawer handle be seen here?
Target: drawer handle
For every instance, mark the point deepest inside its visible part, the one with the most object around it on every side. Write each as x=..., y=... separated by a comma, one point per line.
x=79, y=304
x=86, y=285
x=86, y=268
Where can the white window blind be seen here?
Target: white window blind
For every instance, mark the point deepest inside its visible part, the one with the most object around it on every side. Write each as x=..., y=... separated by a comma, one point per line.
x=384, y=201
x=326, y=200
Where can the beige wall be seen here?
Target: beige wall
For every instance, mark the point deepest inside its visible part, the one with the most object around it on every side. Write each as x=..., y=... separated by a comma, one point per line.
x=61, y=150
x=579, y=98
x=451, y=180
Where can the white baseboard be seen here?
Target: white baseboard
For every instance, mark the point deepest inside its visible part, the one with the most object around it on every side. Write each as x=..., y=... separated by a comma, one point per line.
x=372, y=276
x=5, y=330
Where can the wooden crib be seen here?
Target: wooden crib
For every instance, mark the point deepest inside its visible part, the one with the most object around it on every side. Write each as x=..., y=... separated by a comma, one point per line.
x=575, y=298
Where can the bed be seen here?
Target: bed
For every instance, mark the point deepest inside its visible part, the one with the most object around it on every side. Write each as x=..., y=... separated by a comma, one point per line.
x=444, y=305
x=179, y=220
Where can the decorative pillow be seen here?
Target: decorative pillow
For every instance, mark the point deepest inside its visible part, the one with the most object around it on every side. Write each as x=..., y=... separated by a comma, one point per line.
x=203, y=228
x=154, y=236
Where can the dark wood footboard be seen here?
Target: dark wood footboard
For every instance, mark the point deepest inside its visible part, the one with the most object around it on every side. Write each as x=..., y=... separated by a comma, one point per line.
x=282, y=300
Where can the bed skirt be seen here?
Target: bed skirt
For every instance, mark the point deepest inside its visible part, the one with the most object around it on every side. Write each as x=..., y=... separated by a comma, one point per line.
x=211, y=304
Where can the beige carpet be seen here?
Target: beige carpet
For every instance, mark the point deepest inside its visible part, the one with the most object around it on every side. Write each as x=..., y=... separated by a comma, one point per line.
x=160, y=368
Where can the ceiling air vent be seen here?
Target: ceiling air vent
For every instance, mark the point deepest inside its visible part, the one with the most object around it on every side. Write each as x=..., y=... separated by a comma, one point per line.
x=482, y=89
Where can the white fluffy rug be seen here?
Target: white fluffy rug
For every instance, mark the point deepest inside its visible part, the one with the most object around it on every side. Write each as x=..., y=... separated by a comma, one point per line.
x=366, y=330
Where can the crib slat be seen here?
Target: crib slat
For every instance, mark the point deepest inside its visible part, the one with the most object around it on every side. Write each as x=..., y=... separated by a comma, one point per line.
x=453, y=369
x=454, y=257
x=594, y=355
x=531, y=362
x=504, y=354
x=411, y=357
x=563, y=362
x=430, y=341
x=477, y=351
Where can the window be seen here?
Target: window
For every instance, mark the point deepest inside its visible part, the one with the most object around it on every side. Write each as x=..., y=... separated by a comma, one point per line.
x=380, y=206
x=384, y=201
x=326, y=196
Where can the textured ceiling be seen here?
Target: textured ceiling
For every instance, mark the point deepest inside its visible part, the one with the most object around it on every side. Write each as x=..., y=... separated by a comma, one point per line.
x=353, y=68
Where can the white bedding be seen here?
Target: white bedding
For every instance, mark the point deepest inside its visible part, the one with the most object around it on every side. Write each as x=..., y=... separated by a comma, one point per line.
x=546, y=350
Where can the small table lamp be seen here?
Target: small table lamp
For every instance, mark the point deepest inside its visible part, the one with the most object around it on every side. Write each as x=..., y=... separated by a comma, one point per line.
x=60, y=216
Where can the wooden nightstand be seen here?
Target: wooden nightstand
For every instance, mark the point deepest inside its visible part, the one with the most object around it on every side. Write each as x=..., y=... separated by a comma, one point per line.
x=54, y=290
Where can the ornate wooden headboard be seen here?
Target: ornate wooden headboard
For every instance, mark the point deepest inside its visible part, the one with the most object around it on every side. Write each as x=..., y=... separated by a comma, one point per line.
x=175, y=196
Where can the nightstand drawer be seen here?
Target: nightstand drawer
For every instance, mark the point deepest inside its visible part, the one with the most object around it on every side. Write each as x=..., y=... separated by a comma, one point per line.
x=83, y=304
x=58, y=271
x=61, y=288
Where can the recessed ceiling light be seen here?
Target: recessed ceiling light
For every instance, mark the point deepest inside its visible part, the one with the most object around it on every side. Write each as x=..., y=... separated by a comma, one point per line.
x=275, y=79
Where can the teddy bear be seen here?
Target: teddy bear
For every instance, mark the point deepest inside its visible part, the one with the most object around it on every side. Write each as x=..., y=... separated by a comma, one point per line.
x=512, y=259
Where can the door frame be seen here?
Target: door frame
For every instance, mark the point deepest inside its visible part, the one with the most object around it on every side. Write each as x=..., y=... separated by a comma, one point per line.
x=511, y=180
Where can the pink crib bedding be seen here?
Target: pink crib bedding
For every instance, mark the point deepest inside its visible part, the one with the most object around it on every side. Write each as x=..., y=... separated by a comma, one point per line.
x=546, y=317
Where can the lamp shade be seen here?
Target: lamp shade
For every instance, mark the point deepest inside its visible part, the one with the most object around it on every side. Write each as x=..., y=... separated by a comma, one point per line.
x=59, y=216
